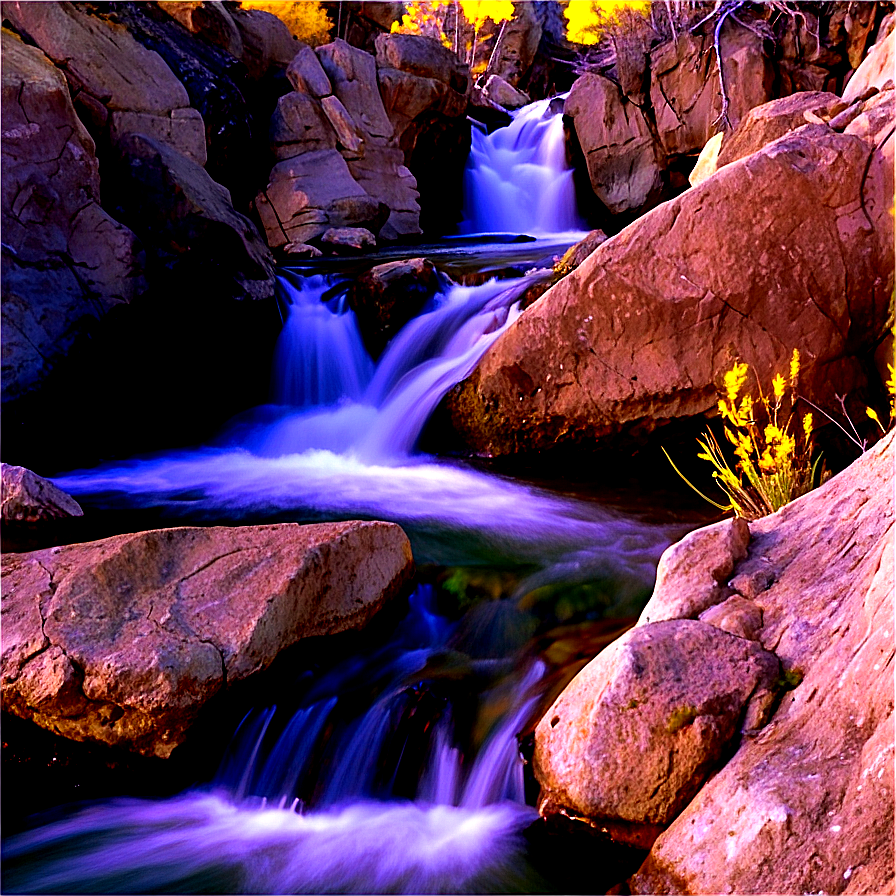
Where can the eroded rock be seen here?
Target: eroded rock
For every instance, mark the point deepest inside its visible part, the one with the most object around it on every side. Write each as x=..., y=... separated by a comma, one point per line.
x=122, y=641
x=807, y=805
x=29, y=498
x=636, y=733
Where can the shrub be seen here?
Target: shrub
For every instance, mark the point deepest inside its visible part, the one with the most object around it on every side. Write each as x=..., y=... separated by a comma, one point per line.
x=307, y=20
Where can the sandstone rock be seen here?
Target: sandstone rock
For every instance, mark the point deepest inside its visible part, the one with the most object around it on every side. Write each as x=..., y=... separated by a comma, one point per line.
x=267, y=42
x=122, y=641
x=768, y=122
x=617, y=143
x=635, y=734
x=306, y=74
x=178, y=209
x=498, y=91
x=119, y=86
x=579, y=251
x=693, y=573
x=684, y=88
x=807, y=806
x=65, y=260
x=209, y=20
x=387, y=296
x=351, y=239
x=737, y=615
x=28, y=498
x=878, y=68
x=789, y=247
x=309, y=194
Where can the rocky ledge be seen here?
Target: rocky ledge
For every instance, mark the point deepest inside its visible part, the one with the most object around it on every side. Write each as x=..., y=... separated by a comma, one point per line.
x=122, y=641
x=675, y=734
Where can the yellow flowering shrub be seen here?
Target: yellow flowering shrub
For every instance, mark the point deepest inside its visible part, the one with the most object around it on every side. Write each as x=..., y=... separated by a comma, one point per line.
x=307, y=20
x=773, y=459
x=586, y=20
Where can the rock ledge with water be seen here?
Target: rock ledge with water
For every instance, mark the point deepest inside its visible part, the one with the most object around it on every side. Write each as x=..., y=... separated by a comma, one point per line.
x=122, y=641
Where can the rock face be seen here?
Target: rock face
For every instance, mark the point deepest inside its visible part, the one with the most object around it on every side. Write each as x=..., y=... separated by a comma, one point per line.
x=65, y=261
x=877, y=69
x=807, y=805
x=123, y=640
x=182, y=213
x=788, y=248
x=635, y=734
x=29, y=498
x=119, y=86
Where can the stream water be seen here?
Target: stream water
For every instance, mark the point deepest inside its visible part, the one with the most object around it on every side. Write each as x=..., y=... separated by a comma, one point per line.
x=397, y=769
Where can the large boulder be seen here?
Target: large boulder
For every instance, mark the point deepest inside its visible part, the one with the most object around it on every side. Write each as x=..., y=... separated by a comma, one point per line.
x=635, y=734
x=619, y=148
x=65, y=260
x=186, y=217
x=807, y=806
x=122, y=641
x=877, y=69
x=119, y=86
x=788, y=248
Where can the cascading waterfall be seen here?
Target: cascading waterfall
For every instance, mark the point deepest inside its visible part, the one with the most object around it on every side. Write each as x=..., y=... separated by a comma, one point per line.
x=517, y=179
x=400, y=791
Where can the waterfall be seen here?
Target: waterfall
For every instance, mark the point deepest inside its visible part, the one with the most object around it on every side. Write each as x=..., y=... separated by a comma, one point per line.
x=517, y=179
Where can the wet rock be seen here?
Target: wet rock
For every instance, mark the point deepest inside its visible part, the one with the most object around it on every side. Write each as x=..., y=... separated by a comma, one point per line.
x=750, y=263
x=348, y=240
x=877, y=68
x=578, y=252
x=618, y=145
x=65, y=260
x=636, y=733
x=29, y=498
x=693, y=573
x=122, y=641
x=502, y=94
x=768, y=122
x=814, y=789
x=387, y=296
x=187, y=217
x=302, y=250
x=119, y=86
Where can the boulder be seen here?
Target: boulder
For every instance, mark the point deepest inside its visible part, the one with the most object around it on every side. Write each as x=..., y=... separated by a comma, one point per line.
x=122, y=641
x=693, y=573
x=807, y=805
x=267, y=42
x=423, y=57
x=496, y=90
x=878, y=68
x=708, y=160
x=181, y=213
x=635, y=734
x=299, y=125
x=348, y=240
x=684, y=89
x=768, y=122
x=65, y=260
x=306, y=74
x=311, y=193
x=119, y=86
x=788, y=248
x=617, y=142
x=29, y=498
x=209, y=20
x=387, y=296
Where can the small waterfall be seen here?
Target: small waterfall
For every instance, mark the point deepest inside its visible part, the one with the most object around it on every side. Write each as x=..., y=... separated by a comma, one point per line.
x=517, y=179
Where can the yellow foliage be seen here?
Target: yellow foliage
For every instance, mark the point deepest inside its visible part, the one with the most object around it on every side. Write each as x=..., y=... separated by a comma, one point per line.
x=476, y=12
x=306, y=19
x=421, y=18
x=587, y=19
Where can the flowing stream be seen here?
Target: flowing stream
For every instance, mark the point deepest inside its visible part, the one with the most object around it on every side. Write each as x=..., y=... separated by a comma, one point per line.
x=397, y=770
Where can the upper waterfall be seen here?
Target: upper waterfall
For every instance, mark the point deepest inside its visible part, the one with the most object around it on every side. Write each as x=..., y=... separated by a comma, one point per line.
x=517, y=179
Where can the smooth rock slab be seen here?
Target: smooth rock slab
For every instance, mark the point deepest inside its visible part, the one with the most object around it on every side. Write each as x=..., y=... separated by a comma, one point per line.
x=123, y=640
x=639, y=729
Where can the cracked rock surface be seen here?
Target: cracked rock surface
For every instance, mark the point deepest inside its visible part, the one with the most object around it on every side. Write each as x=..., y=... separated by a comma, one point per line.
x=123, y=640
x=807, y=805
x=790, y=247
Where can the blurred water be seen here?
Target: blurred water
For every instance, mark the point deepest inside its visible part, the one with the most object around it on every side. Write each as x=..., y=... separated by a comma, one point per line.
x=517, y=178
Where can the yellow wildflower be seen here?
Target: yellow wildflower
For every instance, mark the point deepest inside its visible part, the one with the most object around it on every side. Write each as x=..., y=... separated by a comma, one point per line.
x=807, y=425
x=746, y=408
x=784, y=449
x=778, y=386
x=766, y=462
x=873, y=415
x=773, y=434
x=794, y=367
x=734, y=380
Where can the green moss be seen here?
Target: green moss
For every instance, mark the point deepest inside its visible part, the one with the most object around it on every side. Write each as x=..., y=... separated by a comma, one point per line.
x=681, y=717
x=791, y=679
